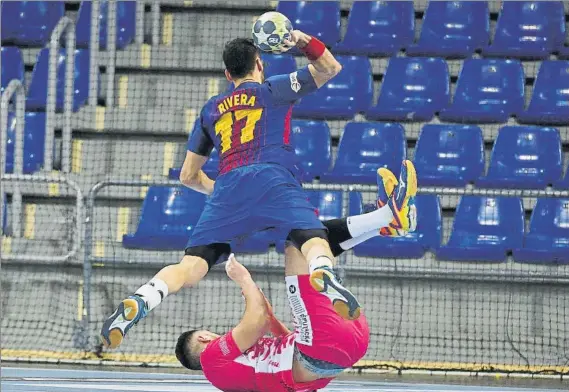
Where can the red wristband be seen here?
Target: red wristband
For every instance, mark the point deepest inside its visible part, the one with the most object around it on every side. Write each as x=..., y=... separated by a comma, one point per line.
x=314, y=49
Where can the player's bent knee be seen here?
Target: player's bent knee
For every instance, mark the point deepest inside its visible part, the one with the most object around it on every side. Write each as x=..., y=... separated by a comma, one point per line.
x=300, y=237
x=212, y=253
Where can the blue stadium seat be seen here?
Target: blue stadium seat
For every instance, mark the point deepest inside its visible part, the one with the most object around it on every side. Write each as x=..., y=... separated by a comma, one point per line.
x=168, y=216
x=550, y=97
x=211, y=167
x=563, y=183
x=484, y=229
x=318, y=18
x=413, y=89
x=126, y=21
x=350, y=92
x=34, y=142
x=378, y=28
x=548, y=238
x=37, y=92
x=449, y=155
x=453, y=29
x=414, y=245
x=524, y=157
x=30, y=23
x=311, y=141
x=487, y=91
x=563, y=52
x=328, y=205
x=364, y=148
x=12, y=66
x=277, y=64
x=528, y=29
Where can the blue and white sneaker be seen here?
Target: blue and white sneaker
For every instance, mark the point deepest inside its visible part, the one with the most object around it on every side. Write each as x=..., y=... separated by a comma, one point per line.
x=129, y=312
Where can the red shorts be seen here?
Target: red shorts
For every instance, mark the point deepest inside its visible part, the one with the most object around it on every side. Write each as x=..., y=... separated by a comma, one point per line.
x=320, y=332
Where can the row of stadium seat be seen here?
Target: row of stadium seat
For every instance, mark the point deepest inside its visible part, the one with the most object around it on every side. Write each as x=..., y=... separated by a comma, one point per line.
x=30, y=23
x=416, y=89
x=484, y=229
x=446, y=154
x=413, y=89
x=36, y=100
x=525, y=29
x=449, y=28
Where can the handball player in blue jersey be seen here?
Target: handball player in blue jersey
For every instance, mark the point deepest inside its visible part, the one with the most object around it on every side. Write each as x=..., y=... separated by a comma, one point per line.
x=256, y=189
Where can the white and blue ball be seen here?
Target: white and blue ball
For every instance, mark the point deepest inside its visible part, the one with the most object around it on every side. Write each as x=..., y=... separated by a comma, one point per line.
x=270, y=31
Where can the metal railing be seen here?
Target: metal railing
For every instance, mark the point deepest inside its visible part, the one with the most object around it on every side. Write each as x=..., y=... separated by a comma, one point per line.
x=64, y=26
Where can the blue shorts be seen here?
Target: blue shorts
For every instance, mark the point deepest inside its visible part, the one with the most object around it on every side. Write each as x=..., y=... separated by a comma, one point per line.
x=251, y=199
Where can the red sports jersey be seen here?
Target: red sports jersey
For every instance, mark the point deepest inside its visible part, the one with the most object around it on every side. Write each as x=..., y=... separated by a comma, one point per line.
x=265, y=367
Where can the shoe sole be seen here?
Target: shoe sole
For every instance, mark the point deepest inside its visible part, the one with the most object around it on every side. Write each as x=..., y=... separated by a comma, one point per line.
x=411, y=180
x=411, y=191
x=112, y=338
x=345, y=304
x=388, y=180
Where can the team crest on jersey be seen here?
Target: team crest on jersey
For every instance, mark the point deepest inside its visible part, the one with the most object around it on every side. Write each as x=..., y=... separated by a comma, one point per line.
x=294, y=83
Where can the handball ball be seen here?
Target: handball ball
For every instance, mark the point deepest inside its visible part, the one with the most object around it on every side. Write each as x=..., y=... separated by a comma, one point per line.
x=270, y=31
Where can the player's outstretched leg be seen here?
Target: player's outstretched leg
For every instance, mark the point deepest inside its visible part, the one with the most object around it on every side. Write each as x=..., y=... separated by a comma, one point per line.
x=134, y=308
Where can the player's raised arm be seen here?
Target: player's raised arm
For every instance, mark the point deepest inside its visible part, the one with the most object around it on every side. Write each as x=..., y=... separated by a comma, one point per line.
x=200, y=146
x=323, y=65
x=255, y=322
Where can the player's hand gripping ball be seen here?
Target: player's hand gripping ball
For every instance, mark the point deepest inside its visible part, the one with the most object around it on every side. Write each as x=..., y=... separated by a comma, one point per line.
x=270, y=31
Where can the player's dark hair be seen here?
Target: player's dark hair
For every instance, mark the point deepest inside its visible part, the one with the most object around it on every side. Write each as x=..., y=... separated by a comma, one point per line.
x=184, y=352
x=239, y=57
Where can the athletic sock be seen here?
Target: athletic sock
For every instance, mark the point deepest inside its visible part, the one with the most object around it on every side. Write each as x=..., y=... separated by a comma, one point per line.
x=337, y=233
x=350, y=243
x=153, y=293
x=364, y=223
x=320, y=261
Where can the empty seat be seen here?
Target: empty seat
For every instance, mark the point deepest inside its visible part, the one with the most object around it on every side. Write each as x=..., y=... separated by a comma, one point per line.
x=378, y=28
x=451, y=155
x=563, y=183
x=350, y=92
x=126, y=21
x=413, y=245
x=364, y=148
x=311, y=141
x=12, y=66
x=277, y=64
x=168, y=216
x=318, y=18
x=550, y=97
x=211, y=167
x=548, y=238
x=487, y=91
x=413, y=89
x=563, y=52
x=30, y=22
x=484, y=229
x=524, y=157
x=528, y=29
x=34, y=142
x=37, y=92
x=453, y=29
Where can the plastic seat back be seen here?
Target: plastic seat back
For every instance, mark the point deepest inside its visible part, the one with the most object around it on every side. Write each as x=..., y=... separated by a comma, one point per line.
x=378, y=28
x=451, y=155
x=30, y=23
x=550, y=97
x=37, y=92
x=12, y=66
x=311, y=141
x=549, y=224
x=365, y=147
x=318, y=18
x=327, y=203
x=487, y=91
x=453, y=29
x=525, y=157
x=413, y=89
x=350, y=92
x=34, y=142
x=529, y=29
x=277, y=64
x=126, y=23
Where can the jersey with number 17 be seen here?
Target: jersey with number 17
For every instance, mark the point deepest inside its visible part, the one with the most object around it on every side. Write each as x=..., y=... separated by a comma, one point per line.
x=252, y=123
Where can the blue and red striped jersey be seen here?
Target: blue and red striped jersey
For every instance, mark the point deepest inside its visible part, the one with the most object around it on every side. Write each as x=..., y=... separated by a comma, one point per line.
x=251, y=123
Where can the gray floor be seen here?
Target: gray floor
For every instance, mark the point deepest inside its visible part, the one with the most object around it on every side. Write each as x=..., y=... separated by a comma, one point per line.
x=71, y=380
